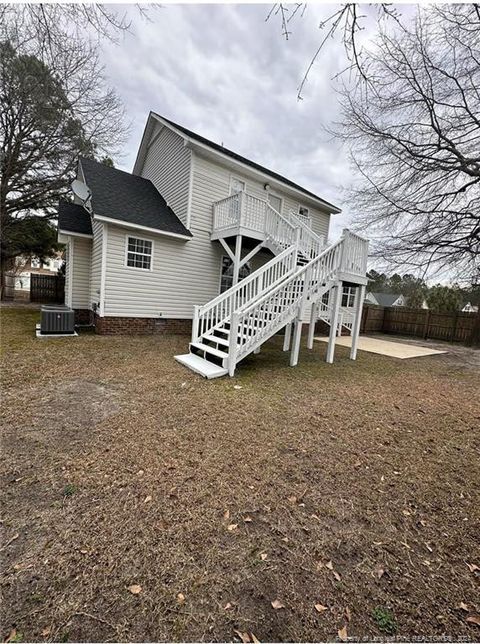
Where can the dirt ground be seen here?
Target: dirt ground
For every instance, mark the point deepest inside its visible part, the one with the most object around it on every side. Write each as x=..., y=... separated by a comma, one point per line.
x=143, y=503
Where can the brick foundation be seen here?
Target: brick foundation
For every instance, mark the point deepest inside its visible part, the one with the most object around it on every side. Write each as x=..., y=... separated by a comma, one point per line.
x=142, y=326
x=83, y=316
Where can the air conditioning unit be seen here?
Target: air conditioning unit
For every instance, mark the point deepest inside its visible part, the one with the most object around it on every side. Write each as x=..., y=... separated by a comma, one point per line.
x=57, y=320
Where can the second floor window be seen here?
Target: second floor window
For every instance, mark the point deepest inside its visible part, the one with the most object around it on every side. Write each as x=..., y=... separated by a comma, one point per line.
x=139, y=253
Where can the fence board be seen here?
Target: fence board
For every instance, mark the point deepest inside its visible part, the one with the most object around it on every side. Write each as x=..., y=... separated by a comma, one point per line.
x=420, y=323
x=47, y=288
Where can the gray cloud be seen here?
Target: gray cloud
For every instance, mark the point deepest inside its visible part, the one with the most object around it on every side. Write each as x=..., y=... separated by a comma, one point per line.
x=226, y=73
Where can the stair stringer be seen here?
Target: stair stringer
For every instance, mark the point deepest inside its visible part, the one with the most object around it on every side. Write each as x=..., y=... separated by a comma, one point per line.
x=289, y=315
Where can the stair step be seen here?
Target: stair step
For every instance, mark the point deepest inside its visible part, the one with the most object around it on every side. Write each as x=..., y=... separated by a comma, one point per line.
x=208, y=349
x=215, y=338
x=200, y=365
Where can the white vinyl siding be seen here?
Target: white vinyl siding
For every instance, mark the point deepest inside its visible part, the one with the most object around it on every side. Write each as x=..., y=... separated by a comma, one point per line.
x=96, y=263
x=167, y=165
x=81, y=257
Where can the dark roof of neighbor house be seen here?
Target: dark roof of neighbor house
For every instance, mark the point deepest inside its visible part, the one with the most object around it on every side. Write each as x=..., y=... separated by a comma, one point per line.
x=74, y=218
x=386, y=299
x=252, y=164
x=135, y=200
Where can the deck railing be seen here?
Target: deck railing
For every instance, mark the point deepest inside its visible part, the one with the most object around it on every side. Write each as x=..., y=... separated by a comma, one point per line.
x=355, y=254
x=243, y=210
x=205, y=318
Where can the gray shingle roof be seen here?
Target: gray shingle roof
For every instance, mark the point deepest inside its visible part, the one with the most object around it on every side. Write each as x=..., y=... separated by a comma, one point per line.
x=74, y=218
x=120, y=195
x=252, y=164
x=385, y=299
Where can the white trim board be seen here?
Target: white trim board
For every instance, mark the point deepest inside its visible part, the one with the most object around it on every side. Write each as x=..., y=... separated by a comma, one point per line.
x=127, y=224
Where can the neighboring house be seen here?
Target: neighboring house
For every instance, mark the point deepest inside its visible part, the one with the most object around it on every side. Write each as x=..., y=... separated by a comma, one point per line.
x=198, y=232
x=25, y=266
x=469, y=308
x=385, y=299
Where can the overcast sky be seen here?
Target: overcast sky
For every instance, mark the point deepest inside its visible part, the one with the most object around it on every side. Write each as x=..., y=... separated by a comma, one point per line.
x=228, y=74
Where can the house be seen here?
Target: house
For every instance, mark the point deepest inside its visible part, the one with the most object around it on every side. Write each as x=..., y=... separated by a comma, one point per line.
x=385, y=299
x=200, y=240
x=25, y=266
x=469, y=308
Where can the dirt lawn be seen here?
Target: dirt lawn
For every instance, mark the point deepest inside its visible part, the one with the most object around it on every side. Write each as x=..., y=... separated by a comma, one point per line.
x=141, y=502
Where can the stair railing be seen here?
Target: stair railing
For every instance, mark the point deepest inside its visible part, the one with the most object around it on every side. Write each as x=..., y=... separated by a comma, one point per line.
x=256, y=322
x=218, y=310
x=311, y=244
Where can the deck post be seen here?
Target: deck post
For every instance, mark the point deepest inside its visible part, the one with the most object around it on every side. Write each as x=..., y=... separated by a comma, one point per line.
x=337, y=290
x=236, y=263
x=287, y=336
x=359, y=299
x=232, y=345
x=297, y=334
x=311, y=328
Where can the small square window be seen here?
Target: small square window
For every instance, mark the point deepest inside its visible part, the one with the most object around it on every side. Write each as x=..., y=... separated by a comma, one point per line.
x=348, y=296
x=139, y=253
x=303, y=212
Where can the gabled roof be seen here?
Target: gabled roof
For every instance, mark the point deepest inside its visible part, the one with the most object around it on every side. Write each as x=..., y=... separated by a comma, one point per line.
x=220, y=149
x=126, y=197
x=386, y=299
x=74, y=218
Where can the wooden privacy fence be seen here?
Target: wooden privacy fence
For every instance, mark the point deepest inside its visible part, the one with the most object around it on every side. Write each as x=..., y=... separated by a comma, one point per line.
x=420, y=323
x=47, y=288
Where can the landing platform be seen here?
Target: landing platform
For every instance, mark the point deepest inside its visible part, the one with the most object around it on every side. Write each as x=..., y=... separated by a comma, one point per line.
x=384, y=347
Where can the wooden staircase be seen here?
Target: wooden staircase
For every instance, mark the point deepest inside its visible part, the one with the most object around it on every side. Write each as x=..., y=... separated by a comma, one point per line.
x=240, y=320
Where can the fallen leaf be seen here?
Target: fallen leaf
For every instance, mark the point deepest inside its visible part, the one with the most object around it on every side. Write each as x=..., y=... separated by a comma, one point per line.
x=379, y=572
x=254, y=639
x=292, y=499
x=226, y=514
x=46, y=631
x=243, y=636
x=348, y=614
x=474, y=619
x=147, y=499
x=406, y=513
x=228, y=606
x=140, y=473
x=12, y=636
x=314, y=516
x=232, y=526
x=135, y=589
x=472, y=567
x=237, y=386
x=285, y=539
x=342, y=634
x=84, y=552
x=320, y=608
x=329, y=565
x=263, y=556
x=336, y=575
x=180, y=598
x=248, y=520
x=463, y=606
x=357, y=463
x=277, y=604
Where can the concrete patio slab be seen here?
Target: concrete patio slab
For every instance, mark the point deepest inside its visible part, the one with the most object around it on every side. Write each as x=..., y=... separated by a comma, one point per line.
x=385, y=347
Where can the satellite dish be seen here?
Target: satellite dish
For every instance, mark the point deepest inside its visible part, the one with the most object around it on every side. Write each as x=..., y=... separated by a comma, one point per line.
x=81, y=190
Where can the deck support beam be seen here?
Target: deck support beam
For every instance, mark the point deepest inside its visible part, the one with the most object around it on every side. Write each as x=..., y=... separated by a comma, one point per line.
x=297, y=334
x=253, y=252
x=236, y=261
x=287, y=337
x=359, y=299
x=337, y=294
x=311, y=328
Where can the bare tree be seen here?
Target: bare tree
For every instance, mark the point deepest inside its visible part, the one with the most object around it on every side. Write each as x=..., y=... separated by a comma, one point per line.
x=55, y=104
x=414, y=134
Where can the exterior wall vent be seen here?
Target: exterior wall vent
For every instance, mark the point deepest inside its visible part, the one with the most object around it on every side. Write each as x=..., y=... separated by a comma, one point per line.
x=57, y=320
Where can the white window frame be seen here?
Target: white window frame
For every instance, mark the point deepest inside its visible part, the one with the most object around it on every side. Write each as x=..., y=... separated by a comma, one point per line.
x=242, y=181
x=349, y=293
x=308, y=215
x=239, y=279
x=138, y=268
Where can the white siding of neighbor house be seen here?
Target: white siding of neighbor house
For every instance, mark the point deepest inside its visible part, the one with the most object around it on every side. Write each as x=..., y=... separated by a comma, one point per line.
x=80, y=255
x=67, y=272
x=167, y=165
x=96, y=263
x=184, y=273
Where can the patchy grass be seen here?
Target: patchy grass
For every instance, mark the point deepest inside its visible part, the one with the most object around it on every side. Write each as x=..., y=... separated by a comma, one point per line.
x=351, y=486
